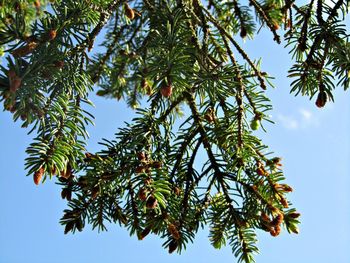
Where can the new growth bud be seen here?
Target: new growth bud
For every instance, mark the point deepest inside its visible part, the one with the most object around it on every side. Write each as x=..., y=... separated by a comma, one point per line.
x=151, y=202
x=15, y=81
x=142, y=194
x=172, y=246
x=321, y=99
x=255, y=123
x=38, y=175
x=129, y=12
x=51, y=35
x=166, y=90
x=173, y=231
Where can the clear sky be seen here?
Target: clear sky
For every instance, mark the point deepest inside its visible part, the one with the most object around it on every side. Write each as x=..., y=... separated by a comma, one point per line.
x=315, y=147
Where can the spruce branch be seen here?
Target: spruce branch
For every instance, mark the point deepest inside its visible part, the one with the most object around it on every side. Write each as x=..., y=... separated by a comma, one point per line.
x=303, y=37
x=104, y=17
x=202, y=132
x=239, y=94
x=150, y=177
x=266, y=19
x=224, y=33
x=181, y=151
x=109, y=52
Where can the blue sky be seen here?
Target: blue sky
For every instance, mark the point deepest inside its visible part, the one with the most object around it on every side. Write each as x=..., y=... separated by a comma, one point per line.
x=315, y=147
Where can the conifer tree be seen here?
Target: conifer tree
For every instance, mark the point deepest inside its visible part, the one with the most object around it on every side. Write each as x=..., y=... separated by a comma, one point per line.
x=168, y=59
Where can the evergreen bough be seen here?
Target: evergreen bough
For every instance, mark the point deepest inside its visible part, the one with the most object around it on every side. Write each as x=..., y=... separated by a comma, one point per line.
x=184, y=58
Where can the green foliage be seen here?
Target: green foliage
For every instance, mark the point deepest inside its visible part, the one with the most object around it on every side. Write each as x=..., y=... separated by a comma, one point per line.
x=180, y=55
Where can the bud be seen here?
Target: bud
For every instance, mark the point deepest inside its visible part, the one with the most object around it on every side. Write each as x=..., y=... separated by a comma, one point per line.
x=278, y=220
x=139, y=169
x=143, y=83
x=273, y=232
x=276, y=26
x=94, y=192
x=144, y=233
x=59, y=64
x=261, y=171
x=38, y=175
x=321, y=99
x=209, y=115
x=177, y=191
x=265, y=222
x=15, y=81
x=273, y=209
x=156, y=165
x=287, y=23
x=149, y=90
x=173, y=231
x=278, y=229
x=141, y=156
x=265, y=218
x=166, y=90
x=148, y=181
x=25, y=50
x=51, y=35
x=129, y=12
x=243, y=32
x=67, y=173
x=142, y=194
x=69, y=227
x=37, y=4
x=172, y=246
x=255, y=124
x=151, y=202
x=8, y=104
x=284, y=202
x=146, y=87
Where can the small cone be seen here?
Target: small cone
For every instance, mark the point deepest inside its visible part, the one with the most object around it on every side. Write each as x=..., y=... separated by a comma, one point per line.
x=129, y=12
x=166, y=90
x=38, y=175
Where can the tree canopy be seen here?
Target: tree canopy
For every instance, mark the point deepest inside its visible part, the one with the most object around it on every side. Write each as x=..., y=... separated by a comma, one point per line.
x=180, y=65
